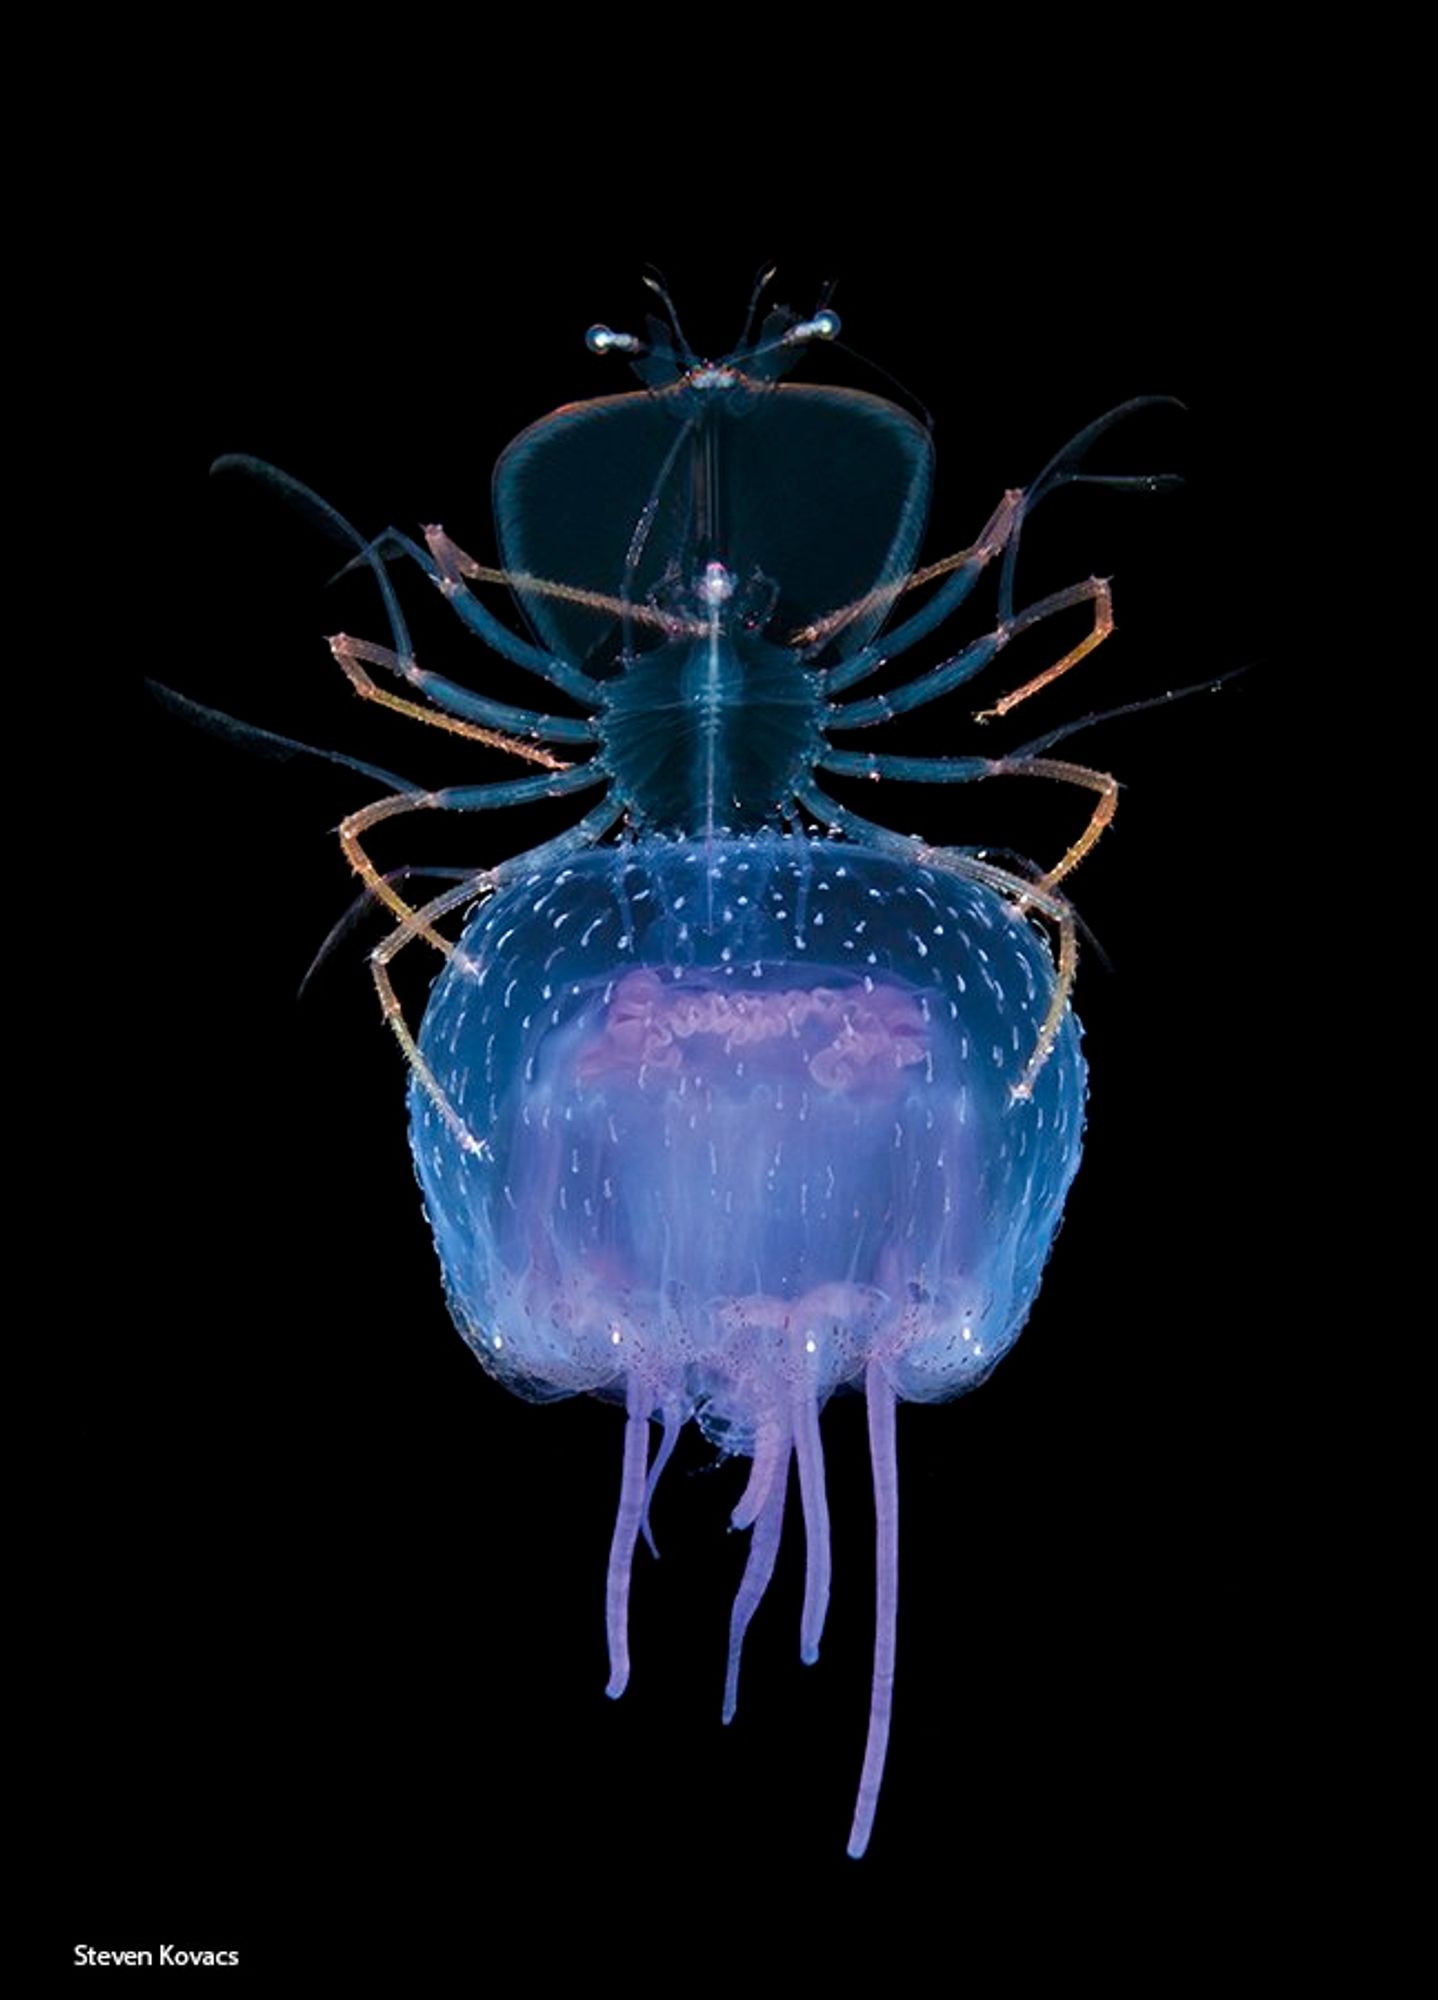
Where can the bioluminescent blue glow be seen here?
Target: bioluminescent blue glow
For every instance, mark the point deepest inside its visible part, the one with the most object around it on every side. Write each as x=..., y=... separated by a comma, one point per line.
x=730, y=1097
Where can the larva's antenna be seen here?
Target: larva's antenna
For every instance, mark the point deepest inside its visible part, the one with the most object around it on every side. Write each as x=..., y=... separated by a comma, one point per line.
x=655, y=281
x=762, y=282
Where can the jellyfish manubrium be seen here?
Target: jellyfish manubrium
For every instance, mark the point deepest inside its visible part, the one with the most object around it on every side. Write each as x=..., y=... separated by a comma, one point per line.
x=754, y=1134
x=729, y=1097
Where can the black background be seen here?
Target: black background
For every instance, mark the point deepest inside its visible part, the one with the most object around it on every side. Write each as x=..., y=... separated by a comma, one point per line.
x=330, y=1653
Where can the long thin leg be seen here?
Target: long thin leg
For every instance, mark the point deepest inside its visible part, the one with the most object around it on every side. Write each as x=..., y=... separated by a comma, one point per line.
x=471, y=798
x=1001, y=537
x=1095, y=591
x=534, y=860
x=974, y=868
x=626, y=1534
x=372, y=553
x=965, y=770
x=364, y=903
x=1063, y=470
x=913, y=694
x=886, y=1601
x=453, y=565
x=420, y=923
x=963, y=570
x=920, y=854
x=909, y=770
x=355, y=655
x=1067, y=774
x=268, y=741
x=977, y=655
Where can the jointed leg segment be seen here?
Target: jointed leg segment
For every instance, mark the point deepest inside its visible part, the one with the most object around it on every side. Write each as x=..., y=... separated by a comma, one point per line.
x=488, y=720
x=1095, y=591
x=1026, y=896
x=354, y=655
x=420, y=923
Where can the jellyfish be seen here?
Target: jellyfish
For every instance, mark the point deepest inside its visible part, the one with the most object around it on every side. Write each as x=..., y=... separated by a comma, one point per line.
x=751, y=1137
x=730, y=1098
